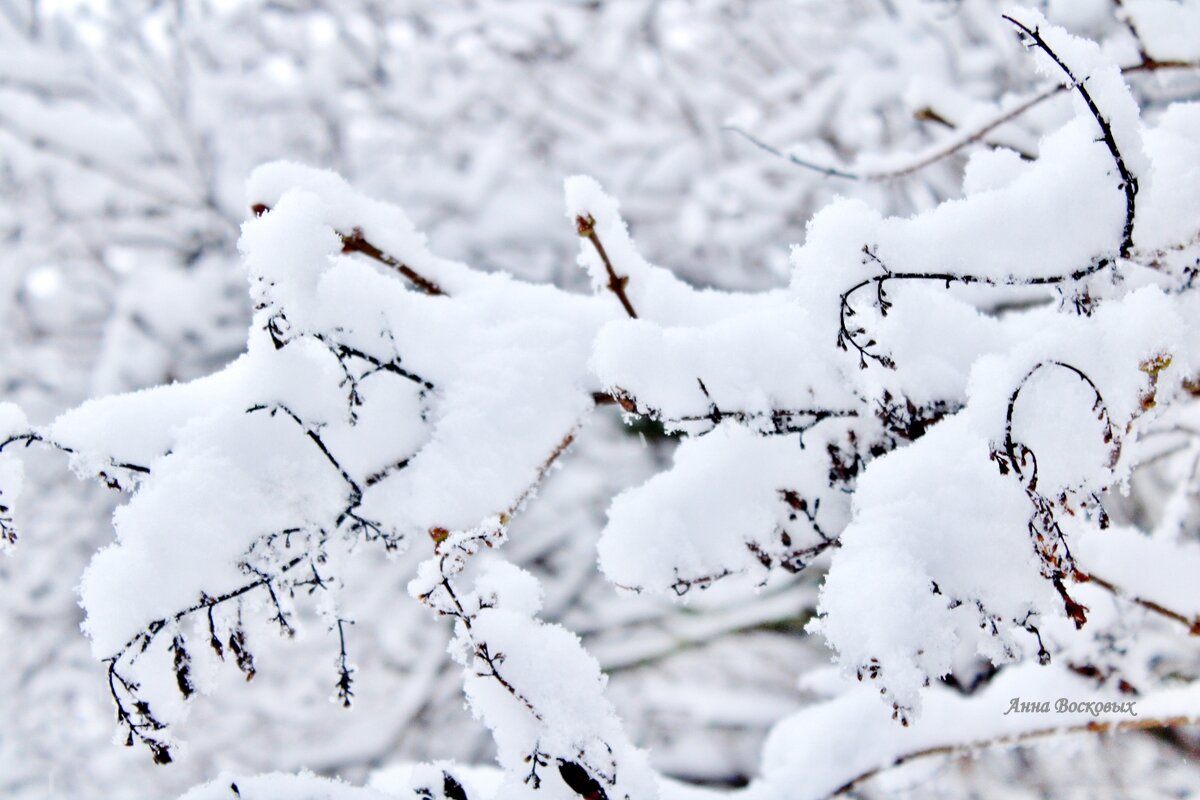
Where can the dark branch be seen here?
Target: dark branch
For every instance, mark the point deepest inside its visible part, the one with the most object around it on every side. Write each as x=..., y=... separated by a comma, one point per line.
x=783, y=421
x=1129, y=183
x=848, y=336
x=30, y=438
x=345, y=672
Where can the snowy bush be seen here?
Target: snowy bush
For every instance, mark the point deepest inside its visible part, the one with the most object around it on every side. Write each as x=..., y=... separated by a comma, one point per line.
x=938, y=412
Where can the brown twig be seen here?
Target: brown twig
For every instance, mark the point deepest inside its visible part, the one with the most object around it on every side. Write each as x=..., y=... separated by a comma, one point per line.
x=543, y=470
x=356, y=242
x=586, y=226
x=1123, y=15
x=832, y=172
x=1193, y=625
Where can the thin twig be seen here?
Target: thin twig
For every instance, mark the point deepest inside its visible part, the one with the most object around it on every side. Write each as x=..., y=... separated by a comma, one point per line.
x=1193, y=625
x=1007, y=741
x=950, y=148
x=1129, y=183
x=832, y=172
x=586, y=226
x=847, y=336
x=356, y=242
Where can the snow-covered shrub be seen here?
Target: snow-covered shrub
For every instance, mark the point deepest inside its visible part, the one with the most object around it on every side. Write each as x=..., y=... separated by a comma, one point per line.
x=940, y=405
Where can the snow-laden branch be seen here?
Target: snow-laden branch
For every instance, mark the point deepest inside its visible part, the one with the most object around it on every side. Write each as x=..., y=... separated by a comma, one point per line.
x=388, y=396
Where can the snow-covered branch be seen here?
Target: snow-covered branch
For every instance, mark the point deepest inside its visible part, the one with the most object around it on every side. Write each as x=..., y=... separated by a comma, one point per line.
x=927, y=433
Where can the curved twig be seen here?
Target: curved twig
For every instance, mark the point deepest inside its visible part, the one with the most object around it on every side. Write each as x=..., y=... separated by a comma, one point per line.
x=848, y=337
x=1049, y=539
x=1129, y=183
x=1011, y=446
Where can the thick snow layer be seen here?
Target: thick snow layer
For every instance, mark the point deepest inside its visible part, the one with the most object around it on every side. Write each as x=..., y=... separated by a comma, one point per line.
x=921, y=552
x=1168, y=30
x=937, y=555
x=721, y=509
x=380, y=404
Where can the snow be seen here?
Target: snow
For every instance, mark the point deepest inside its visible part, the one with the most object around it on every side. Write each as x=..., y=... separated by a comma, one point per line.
x=1169, y=31
x=210, y=502
x=278, y=786
x=719, y=510
x=919, y=554
x=933, y=411
x=1144, y=567
x=1102, y=80
x=1174, y=143
x=931, y=562
x=818, y=750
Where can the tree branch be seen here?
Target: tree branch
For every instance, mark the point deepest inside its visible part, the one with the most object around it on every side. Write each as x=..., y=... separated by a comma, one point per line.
x=1129, y=183
x=955, y=143
x=848, y=336
x=1016, y=739
x=1193, y=624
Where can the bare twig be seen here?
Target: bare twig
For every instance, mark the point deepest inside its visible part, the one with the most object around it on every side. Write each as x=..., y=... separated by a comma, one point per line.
x=586, y=226
x=832, y=172
x=950, y=148
x=356, y=242
x=1193, y=624
x=955, y=143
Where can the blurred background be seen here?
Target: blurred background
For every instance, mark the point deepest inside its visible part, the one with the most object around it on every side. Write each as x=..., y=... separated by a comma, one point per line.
x=126, y=132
